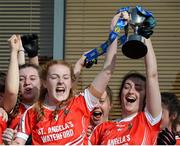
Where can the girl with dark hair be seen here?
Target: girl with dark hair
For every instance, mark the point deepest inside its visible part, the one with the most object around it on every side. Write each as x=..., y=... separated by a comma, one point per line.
x=139, y=125
x=170, y=120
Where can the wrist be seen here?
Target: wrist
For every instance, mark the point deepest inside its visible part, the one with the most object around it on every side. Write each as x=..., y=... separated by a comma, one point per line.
x=22, y=51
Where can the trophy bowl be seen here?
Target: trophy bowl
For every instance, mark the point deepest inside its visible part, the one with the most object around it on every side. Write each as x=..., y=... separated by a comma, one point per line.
x=134, y=48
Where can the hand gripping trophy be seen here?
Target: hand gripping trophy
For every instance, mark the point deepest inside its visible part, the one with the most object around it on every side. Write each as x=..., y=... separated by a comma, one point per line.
x=142, y=22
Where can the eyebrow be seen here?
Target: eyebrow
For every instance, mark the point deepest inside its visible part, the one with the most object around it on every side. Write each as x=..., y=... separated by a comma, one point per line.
x=58, y=74
x=135, y=84
x=30, y=75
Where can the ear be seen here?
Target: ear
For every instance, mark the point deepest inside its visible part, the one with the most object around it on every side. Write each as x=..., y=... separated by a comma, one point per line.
x=173, y=116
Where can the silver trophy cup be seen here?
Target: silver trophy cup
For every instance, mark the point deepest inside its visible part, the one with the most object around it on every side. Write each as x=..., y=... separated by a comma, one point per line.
x=134, y=47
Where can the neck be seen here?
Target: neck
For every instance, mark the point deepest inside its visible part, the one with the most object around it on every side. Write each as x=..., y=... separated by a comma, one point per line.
x=28, y=102
x=49, y=102
x=127, y=114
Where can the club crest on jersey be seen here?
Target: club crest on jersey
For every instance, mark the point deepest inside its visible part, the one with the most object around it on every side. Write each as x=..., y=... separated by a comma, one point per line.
x=129, y=126
x=120, y=127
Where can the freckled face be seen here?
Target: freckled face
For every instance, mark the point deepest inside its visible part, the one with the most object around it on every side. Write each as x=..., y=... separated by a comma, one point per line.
x=101, y=113
x=58, y=82
x=29, y=83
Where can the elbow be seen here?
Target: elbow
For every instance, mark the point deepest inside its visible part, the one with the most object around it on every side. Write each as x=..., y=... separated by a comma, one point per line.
x=9, y=102
x=108, y=73
x=152, y=75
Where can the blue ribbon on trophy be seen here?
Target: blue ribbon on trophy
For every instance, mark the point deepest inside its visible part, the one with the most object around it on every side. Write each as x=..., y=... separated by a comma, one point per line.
x=142, y=22
x=91, y=57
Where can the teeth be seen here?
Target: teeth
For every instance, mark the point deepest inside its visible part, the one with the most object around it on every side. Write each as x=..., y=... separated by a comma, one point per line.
x=97, y=113
x=60, y=89
x=28, y=89
x=131, y=99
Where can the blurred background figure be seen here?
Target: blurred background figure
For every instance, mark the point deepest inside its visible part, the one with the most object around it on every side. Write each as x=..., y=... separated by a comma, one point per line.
x=169, y=134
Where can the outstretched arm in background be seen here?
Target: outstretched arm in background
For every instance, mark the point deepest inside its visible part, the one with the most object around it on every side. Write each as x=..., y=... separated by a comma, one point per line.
x=12, y=79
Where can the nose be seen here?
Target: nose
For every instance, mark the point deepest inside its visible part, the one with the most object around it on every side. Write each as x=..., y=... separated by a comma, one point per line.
x=27, y=81
x=131, y=90
x=60, y=80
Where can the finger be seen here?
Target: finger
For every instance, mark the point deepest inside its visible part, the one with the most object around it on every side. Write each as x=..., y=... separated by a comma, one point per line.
x=8, y=136
x=6, y=140
x=12, y=37
x=125, y=15
x=9, y=130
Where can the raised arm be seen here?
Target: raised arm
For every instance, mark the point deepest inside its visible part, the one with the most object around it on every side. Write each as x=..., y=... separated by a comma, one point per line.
x=21, y=54
x=77, y=68
x=12, y=79
x=153, y=97
x=100, y=82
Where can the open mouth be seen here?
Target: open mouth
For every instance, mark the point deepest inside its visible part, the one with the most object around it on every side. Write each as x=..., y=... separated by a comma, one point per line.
x=131, y=99
x=97, y=114
x=60, y=90
x=28, y=90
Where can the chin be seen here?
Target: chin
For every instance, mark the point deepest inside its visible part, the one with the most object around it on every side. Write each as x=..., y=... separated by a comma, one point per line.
x=97, y=122
x=60, y=99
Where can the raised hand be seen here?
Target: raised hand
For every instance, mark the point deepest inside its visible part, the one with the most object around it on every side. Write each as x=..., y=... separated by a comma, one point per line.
x=8, y=136
x=14, y=42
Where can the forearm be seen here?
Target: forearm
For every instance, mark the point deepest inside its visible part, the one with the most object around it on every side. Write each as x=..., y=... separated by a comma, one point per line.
x=21, y=57
x=102, y=79
x=78, y=66
x=153, y=97
x=12, y=82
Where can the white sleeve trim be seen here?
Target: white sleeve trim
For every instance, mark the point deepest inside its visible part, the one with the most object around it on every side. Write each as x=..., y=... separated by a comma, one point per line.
x=22, y=135
x=152, y=120
x=91, y=101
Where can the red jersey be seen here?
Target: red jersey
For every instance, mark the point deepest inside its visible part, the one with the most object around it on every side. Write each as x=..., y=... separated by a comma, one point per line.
x=2, y=128
x=138, y=129
x=68, y=127
x=15, y=121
